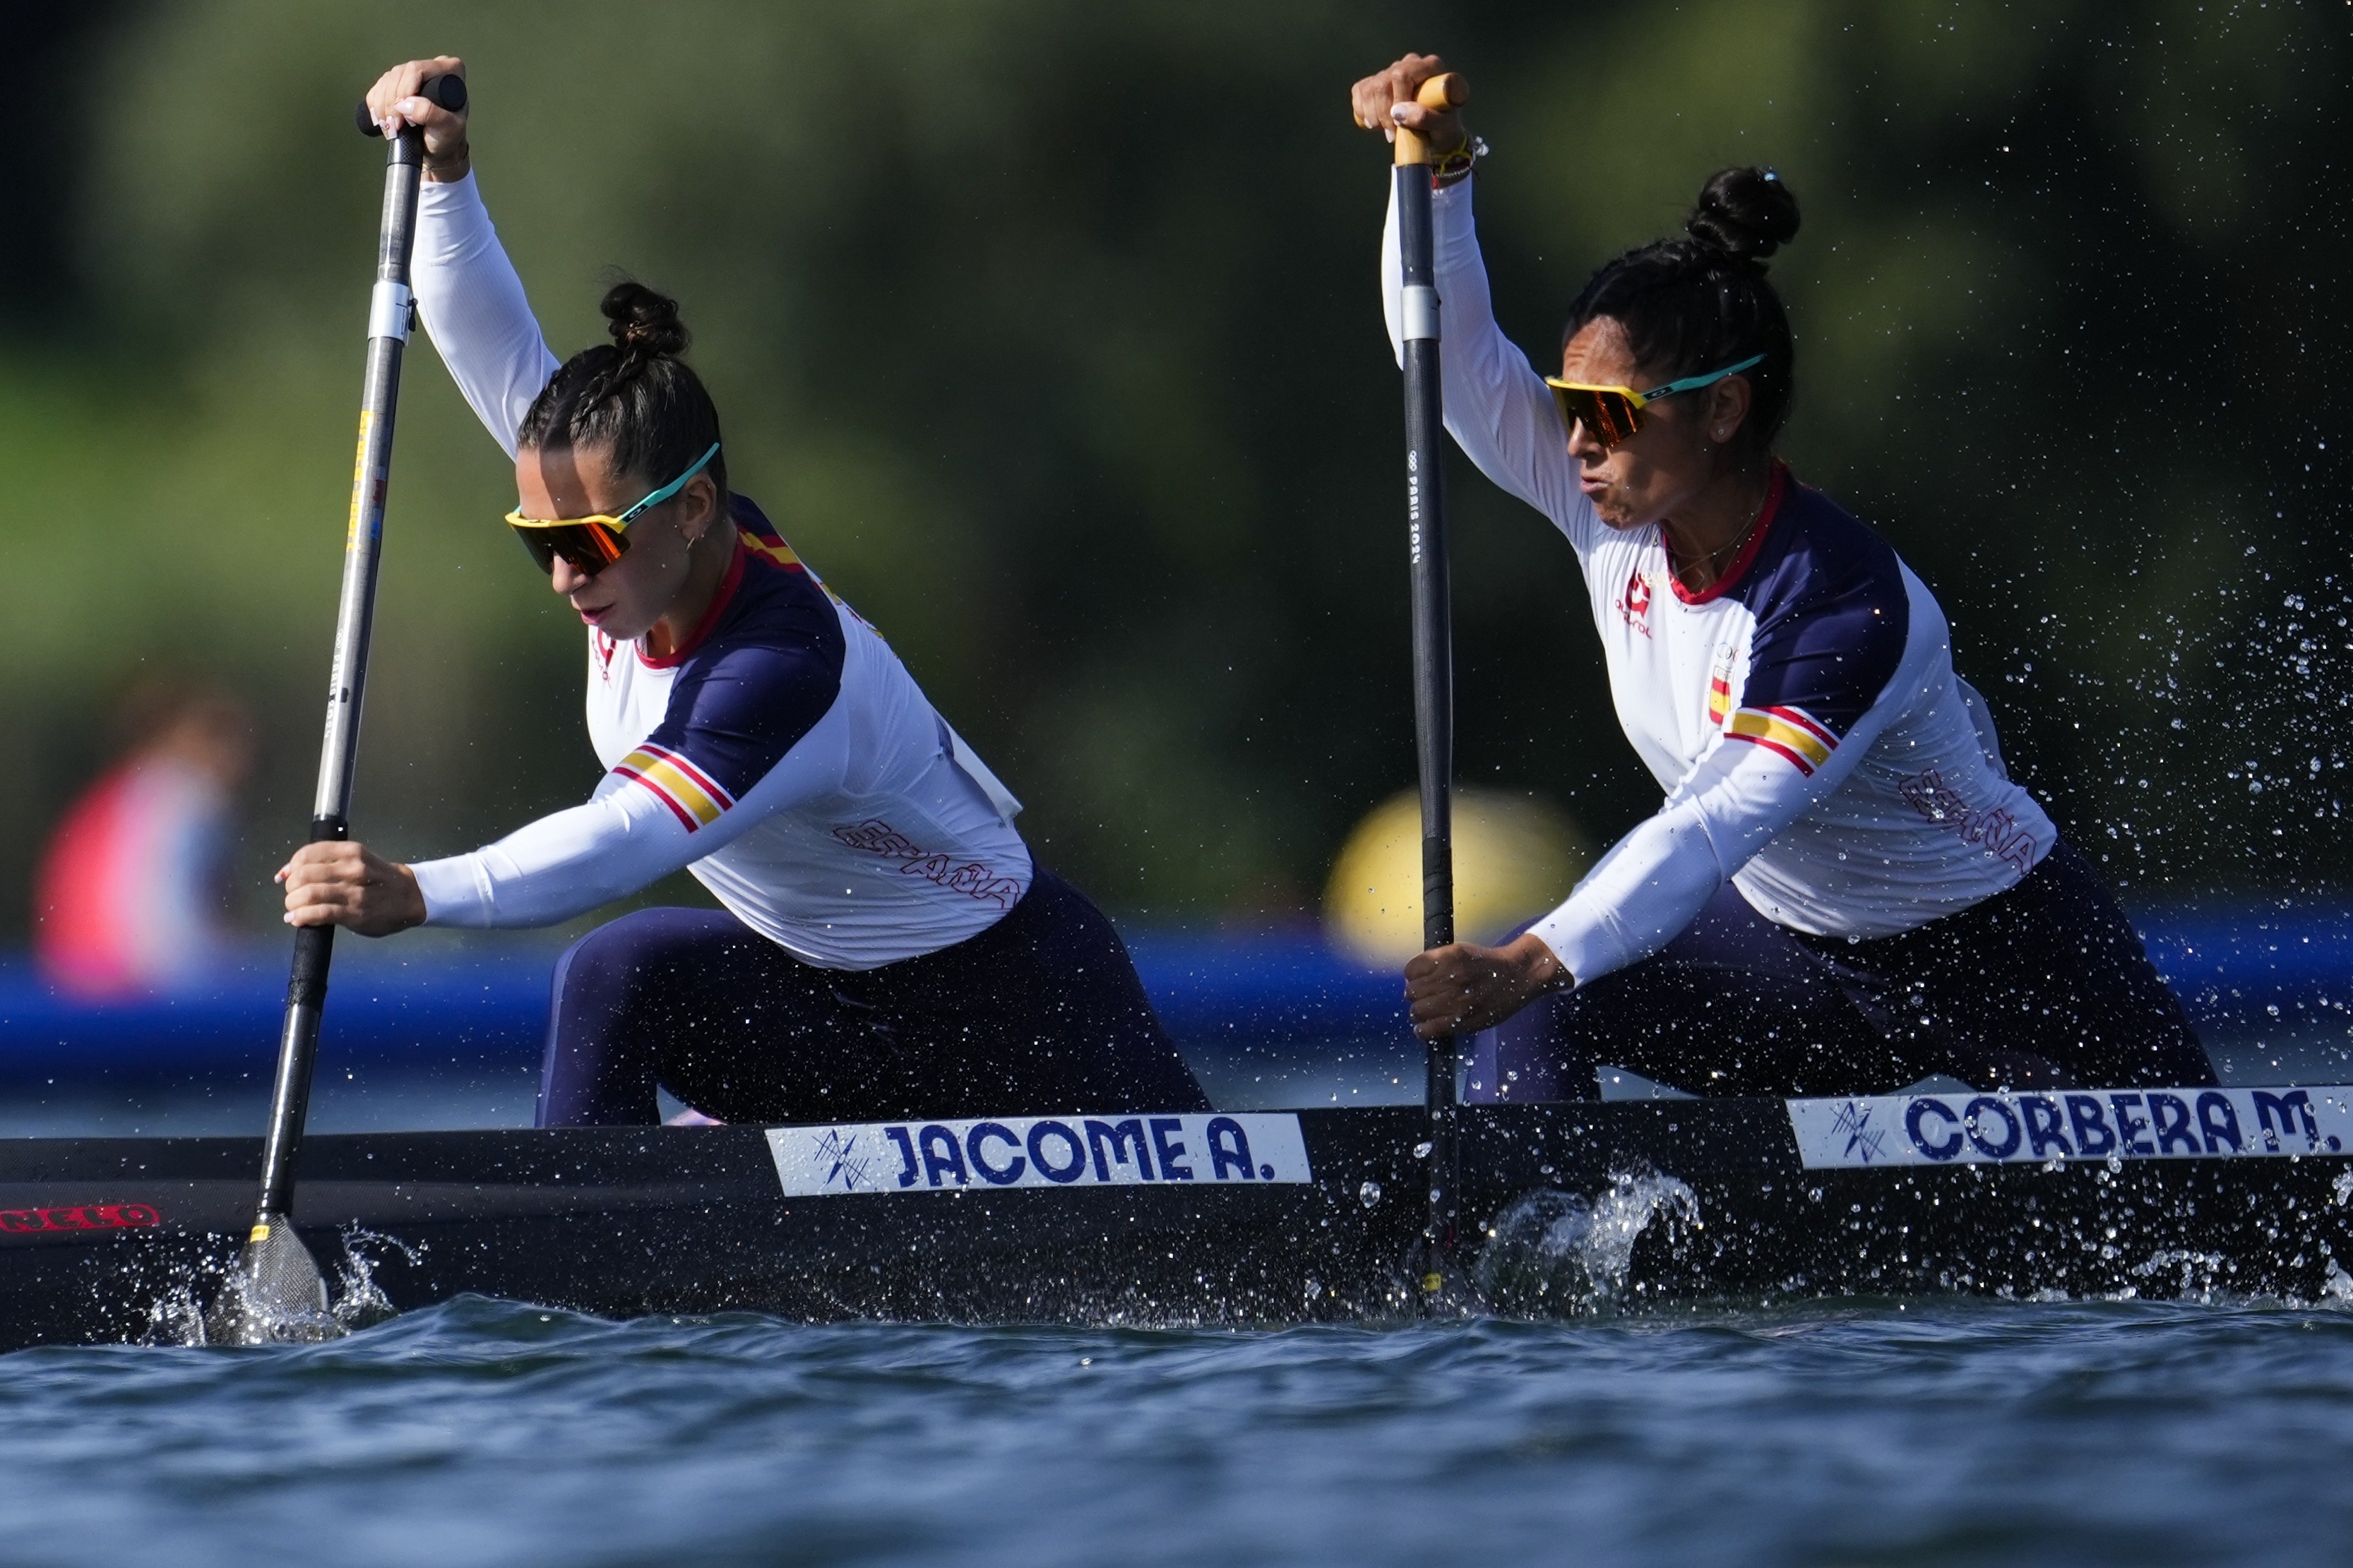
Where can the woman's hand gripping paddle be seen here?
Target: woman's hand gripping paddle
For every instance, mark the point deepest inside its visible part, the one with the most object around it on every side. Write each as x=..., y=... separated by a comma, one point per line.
x=1433, y=642
x=276, y=1293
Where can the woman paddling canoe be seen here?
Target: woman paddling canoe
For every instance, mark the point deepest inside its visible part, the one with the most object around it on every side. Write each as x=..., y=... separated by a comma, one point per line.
x=888, y=949
x=1844, y=890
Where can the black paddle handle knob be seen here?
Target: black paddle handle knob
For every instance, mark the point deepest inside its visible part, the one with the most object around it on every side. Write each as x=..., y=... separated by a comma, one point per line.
x=449, y=91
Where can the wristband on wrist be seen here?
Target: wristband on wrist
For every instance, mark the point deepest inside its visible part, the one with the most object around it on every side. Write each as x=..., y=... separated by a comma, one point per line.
x=1446, y=168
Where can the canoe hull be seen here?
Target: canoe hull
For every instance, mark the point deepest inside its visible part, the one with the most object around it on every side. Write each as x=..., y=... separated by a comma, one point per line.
x=1572, y=1207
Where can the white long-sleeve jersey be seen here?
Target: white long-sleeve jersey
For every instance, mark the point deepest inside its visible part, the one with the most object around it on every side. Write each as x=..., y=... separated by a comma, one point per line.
x=782, y=752
x=1802, y=714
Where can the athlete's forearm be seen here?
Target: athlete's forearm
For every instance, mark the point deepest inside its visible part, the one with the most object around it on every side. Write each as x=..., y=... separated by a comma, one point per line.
x=473, y=306
x=1497, y=407
x=656, y=812
x=561, y=866
x=1656, y=880
x=1633, y=902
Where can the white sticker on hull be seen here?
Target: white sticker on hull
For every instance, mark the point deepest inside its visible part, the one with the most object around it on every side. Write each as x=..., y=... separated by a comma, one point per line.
x=2071, y=1124
x=1039, y=1152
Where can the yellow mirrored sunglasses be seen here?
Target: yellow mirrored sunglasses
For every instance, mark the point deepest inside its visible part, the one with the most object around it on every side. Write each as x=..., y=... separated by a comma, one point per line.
x=593, y=544
x=1612, y=413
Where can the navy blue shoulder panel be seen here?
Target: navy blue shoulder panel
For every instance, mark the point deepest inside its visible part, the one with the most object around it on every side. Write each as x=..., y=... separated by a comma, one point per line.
x=1831, y=612
x=767, y=667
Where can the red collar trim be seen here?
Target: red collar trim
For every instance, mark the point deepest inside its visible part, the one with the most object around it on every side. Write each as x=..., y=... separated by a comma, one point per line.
x=1777, y=487
x=709, y=622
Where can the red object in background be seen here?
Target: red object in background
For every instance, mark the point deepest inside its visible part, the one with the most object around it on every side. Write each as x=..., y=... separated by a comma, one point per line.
x=129, y=894
x=82, y=1216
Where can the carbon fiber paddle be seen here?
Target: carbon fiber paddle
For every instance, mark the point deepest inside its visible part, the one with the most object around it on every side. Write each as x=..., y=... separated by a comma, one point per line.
x=275, y=1293
x=1433, y=646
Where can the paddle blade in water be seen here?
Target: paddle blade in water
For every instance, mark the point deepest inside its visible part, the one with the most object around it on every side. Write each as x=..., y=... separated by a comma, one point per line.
x=274, y=1296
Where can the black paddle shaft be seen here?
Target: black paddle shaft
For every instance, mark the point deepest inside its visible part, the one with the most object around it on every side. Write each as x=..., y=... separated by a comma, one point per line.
x=1433, y=673
x=389, y=316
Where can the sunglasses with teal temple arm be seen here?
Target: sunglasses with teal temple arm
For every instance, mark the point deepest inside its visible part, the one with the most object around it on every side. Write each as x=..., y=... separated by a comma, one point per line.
x=1612, y=413
x=593, y=544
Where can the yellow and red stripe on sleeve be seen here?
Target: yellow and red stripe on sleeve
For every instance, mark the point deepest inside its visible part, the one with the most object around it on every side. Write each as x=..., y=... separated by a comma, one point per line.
x=1786, y=730
x=1719, y=700
x=686, y=789
x=773, y=549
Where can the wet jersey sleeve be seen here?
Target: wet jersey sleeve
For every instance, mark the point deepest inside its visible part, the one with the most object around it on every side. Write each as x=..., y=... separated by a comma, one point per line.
x=750, y=732
x=1498, y=409
x=473, y=307
x=1825, y=678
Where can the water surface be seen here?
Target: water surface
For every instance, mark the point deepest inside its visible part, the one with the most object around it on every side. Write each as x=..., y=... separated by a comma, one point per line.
x=483, y=1432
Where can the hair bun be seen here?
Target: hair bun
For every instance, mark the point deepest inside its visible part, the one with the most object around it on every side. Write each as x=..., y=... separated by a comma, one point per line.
x=643, y=322
x=1748, y=214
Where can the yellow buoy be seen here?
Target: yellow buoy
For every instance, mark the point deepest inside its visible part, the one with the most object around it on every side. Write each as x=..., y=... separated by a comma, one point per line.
x=1514, y=858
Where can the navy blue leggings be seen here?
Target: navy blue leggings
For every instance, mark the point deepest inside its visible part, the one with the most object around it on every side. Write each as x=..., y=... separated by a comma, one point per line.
x=1042, y=1013
x=2043, y=984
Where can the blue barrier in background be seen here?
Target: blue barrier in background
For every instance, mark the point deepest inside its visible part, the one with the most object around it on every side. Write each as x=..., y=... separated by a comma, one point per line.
x=2243, y=968
x=467, y=1007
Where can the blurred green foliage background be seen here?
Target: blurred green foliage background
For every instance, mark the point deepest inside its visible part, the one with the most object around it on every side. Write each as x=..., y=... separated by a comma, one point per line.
x=1049, y=333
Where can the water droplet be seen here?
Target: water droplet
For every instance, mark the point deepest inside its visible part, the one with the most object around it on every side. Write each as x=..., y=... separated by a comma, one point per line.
x=1421, y=1150
x=1370, y=1193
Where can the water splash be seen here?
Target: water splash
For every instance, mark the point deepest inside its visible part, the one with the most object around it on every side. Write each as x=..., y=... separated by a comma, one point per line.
x=178, y=1312
x=176, y=1316
x=2193, y=1276
x=1553, y=1254
x=359, y=1299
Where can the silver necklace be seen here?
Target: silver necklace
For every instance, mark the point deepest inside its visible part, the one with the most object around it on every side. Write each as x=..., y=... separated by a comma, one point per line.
x=1733, y=543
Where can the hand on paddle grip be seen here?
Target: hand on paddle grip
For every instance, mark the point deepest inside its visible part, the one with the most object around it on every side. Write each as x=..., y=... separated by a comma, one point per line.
x=431, y=96
x=1463, y=988
x=335, y=882
x=1416, y=98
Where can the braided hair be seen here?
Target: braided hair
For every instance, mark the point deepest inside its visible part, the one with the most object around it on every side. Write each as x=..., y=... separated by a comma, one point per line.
x=1698, y=304
x=633, y=396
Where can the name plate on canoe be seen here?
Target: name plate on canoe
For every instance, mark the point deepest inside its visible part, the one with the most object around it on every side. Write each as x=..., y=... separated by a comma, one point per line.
x=2102, y=1124
x=1040, y=1151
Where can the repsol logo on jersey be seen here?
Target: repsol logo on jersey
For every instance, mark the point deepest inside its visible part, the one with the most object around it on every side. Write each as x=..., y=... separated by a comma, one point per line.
x=1117, y=1150
x=1634, y=604
x=2070, y=1124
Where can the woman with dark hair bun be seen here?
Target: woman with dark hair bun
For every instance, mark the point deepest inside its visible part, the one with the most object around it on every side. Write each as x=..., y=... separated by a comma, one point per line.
x=1844, y=891
x=888, y=949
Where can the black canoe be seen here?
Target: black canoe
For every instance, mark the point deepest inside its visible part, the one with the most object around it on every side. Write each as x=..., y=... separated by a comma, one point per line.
x=1256, y=1219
